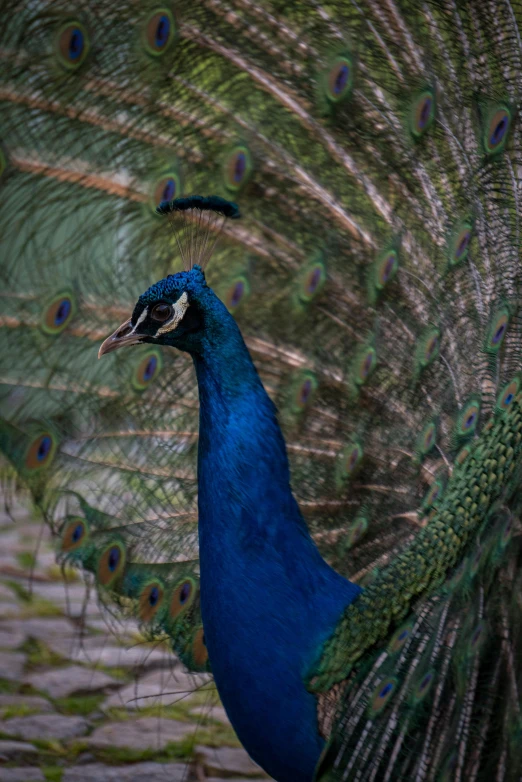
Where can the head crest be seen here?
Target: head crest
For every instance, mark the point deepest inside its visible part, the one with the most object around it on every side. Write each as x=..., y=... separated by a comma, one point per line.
x=197, y=223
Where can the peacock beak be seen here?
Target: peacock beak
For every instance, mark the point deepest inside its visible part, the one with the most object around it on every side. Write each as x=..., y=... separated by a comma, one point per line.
x=123, y=336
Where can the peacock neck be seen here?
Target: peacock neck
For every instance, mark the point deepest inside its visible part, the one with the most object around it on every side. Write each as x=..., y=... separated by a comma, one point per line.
x=268, y=599
x=242, y=461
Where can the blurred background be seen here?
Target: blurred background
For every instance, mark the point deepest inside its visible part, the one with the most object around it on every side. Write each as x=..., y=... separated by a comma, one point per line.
x=84, y=697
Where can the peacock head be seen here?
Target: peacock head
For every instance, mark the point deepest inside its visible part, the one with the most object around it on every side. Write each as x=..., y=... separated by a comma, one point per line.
x=181, y=309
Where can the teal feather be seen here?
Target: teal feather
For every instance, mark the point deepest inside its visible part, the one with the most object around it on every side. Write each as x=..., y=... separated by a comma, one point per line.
x=374, y=149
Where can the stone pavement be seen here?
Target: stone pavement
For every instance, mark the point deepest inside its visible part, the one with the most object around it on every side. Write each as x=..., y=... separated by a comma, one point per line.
x=81, y=704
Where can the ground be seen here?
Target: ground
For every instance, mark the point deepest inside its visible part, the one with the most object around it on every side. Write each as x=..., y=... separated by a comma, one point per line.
x=79, y=703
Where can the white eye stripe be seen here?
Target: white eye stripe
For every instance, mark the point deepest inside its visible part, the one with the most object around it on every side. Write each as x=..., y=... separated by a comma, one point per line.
x=180, y=308
x=140, y=319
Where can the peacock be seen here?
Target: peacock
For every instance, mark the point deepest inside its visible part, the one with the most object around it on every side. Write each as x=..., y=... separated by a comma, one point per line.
x=304, y=219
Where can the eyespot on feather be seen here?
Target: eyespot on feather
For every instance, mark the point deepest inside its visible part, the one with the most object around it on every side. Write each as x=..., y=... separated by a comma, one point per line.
x=72, y=45
x=304, y=391
x=237, y=293
x=75, y=534
x=150, y=600
x=182, y=597
x=507, y=532
x=41, y=451
x=497, y=331
x=467, y=420
x=350, y=460
x=159, y=33
x=111, y=564
x=356, y=531
x=427, y=438
x=477, y=638
x=496, y=130
x=507, y=395
x=338, y=79
x=382, y=695
x=423, y=686
x=385, y=269
x=460, y=242
x=147, y=370
x=365, y=365
x=237, y=168
x=429, y=347
x=400, y=637
x=311, y=281
x=199, y=649
x=165, y=189
x=58, y=313
x=422, y=113
x=433, y=494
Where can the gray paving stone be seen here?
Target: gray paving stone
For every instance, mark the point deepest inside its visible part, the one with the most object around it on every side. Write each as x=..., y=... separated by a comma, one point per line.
x=45, y=726
x=12, y=639
x=71, y=680
x=137, y=772
x=21, y=775
x=9, y=750
x=57, y=590
x=102, y=651
x=228, y=760
x=8, y=610
x=217, y=713
x=143, y=733
x=29, y=701
x=12, y=665
x=70, y=598
x=6, y=593
x=41, y=628
x=157, y=688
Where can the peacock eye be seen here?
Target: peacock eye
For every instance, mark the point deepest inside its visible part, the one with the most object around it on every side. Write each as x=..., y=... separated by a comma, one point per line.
x=161, y=312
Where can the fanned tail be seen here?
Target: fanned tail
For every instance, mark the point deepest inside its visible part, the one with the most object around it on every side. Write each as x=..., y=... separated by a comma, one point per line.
x=374, y=149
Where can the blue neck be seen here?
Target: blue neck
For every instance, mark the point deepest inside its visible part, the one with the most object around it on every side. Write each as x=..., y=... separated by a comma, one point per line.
x=269, y=600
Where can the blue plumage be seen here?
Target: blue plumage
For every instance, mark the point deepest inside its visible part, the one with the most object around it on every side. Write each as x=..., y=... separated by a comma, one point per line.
x=268, y=599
